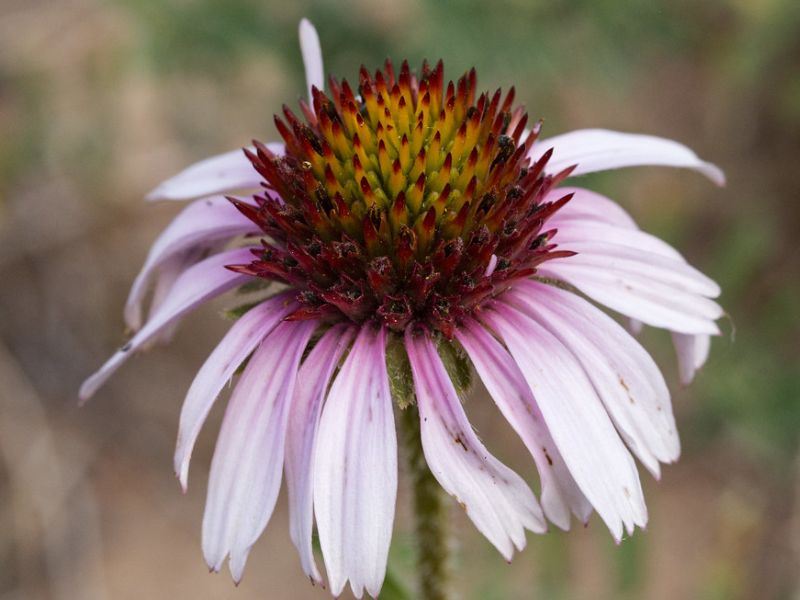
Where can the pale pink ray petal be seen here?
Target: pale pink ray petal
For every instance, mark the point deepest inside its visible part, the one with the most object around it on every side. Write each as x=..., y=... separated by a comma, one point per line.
x=495, y=498
x=312, y=385
x=506, y=385
x=225, y=173
x=166, y=277
x=692, y=352
x=652, y=302
x=640, y=262
x=246, y=470
x=240, y=341
x=600, y=150
x=588, y=216
x=355, y=469
x=312, y=56
x=200, y=225
x=624, y=375
x=591, y=217
x=582, y=430
x=589, y=206
x=197, y=285
x=168, y=273
x=579, y=231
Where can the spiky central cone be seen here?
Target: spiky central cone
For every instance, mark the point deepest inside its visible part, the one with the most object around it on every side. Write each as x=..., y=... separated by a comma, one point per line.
x=410, y=203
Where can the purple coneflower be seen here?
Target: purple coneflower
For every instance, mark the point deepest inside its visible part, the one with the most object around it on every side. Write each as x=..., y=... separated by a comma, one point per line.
x=420, y=220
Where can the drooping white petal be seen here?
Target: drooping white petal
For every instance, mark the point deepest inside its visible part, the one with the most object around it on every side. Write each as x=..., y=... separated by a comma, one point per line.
x=309, y=393
x=637, y=275
x=600, y=150
x=312, y=56
x=594, y=218
x=165, y=278
x=200, y=224
x=497, y=500
x=506, y=385
x=195, y=286
x=575, y=417
x=240, y=341
x=224, y=173
x=623, y=374
x=246, y=469
x=692, y=352
x=653, y=302
x=355, y=469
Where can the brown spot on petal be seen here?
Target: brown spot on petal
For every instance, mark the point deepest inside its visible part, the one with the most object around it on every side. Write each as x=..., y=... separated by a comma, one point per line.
x=627, y=389
x=547, y=456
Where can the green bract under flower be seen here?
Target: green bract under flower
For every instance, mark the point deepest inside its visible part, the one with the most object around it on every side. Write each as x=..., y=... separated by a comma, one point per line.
x=411, y=202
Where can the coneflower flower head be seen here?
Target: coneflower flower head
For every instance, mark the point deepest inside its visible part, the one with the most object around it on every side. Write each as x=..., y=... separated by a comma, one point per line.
x=408, y=202
x=411, y=226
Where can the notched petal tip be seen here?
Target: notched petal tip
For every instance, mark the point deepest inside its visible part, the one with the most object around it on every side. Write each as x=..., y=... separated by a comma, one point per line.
x=213, y=566
x=237, y=563
x=181, y=470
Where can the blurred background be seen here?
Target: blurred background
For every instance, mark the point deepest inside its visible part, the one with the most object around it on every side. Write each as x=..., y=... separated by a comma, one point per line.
x=99, y=101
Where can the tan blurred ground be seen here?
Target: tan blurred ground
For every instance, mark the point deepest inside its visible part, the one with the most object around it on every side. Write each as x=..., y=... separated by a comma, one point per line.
x=101, y=100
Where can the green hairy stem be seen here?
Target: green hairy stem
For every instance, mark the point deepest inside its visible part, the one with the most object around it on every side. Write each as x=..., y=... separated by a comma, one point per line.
x=430, y=511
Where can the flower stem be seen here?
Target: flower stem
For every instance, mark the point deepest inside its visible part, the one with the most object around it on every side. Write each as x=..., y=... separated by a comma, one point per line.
x=430, y=511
